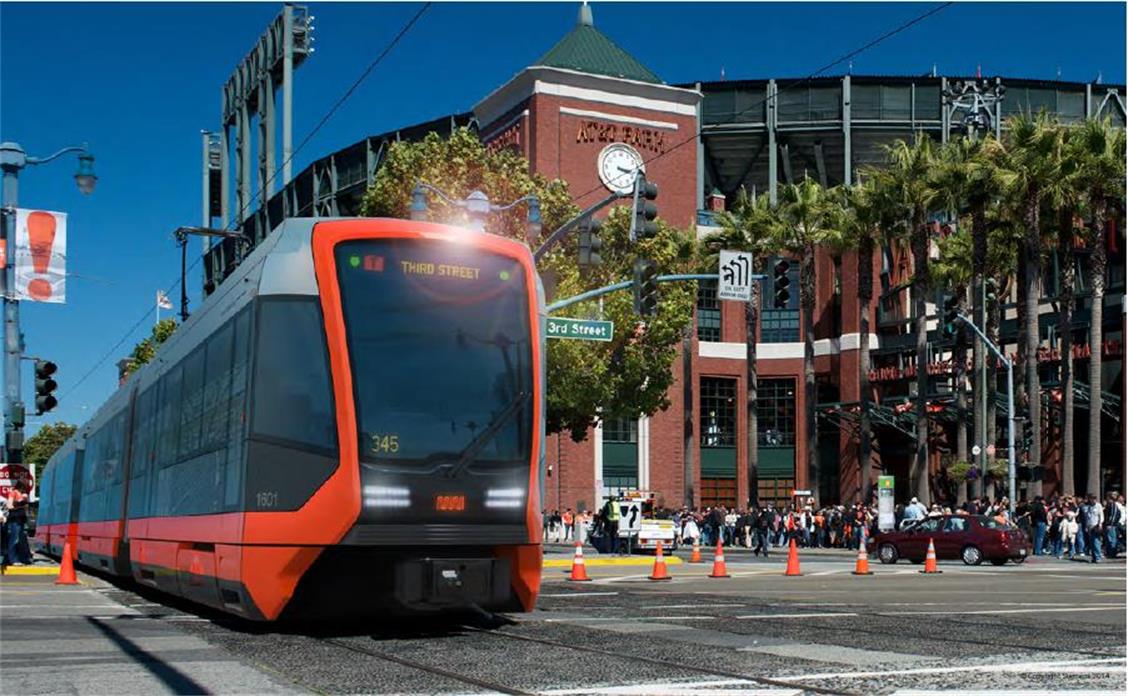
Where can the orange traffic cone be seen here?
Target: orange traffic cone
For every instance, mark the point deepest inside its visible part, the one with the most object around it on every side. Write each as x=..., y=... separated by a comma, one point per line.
x=792, y=559
x=719, y=570
x=66, y=570
x=930, y=559
x=695, y=557
x=861, y=567
x=659, y=572
x=579, y=571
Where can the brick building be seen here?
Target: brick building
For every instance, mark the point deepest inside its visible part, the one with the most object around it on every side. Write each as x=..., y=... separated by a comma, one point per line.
x=707, y=141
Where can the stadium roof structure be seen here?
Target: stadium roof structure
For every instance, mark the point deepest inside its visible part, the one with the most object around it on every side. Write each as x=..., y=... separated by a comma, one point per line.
x=756, y=134
x=586, y=49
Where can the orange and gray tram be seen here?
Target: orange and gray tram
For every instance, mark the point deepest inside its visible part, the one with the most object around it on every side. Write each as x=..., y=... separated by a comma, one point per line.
x=352, y=421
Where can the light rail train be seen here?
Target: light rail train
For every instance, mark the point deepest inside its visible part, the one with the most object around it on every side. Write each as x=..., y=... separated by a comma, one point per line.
x=352, y=422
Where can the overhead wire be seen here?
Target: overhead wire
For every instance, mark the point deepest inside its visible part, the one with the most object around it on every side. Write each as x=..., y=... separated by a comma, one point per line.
x=265, y=186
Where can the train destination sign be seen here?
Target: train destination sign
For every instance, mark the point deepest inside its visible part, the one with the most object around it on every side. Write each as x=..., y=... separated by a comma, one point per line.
x=580, y=329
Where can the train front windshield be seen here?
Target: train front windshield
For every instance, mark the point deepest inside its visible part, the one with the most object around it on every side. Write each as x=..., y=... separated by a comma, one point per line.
x=440, y=348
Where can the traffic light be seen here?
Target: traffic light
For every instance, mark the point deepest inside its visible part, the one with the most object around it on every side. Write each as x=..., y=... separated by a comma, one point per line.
x=951, y=310
x=646, y=287
x=645, y=210
x=44, y=385
x=782, y=283
x=1027, y=434
x=590, y=243
x=991, y=291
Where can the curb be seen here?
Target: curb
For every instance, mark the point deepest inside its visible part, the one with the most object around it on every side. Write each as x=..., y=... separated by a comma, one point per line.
x=631, y=561
x=31, y=570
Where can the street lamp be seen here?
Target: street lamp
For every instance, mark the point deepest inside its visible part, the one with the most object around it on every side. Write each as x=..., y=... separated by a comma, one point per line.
x=13, y=158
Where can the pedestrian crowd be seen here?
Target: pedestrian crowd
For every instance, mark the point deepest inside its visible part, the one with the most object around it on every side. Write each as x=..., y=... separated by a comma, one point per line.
x=1074, y=526
x=1064, y=526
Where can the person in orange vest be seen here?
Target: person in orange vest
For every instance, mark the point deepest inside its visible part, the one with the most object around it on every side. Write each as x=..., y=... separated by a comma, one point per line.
x=16, y=552
x=569, y=529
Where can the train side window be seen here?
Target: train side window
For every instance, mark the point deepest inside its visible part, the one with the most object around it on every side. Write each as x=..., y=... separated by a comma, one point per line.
x=142, y=434
x=168, y=427
x=237, y=419
x=293, y=401
x=192, y=404
x=217, y=390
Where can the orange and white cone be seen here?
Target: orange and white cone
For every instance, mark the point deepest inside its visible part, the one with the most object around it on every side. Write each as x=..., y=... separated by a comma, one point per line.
x=695, y=557
x=792, y=559
x=66, y=569
x=930, y=559
x=579, y=571
x=861, y=566
x=719, y=570
x=659, y=572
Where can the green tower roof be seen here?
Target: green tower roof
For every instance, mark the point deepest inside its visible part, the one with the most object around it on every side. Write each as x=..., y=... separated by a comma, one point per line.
x=586, y=49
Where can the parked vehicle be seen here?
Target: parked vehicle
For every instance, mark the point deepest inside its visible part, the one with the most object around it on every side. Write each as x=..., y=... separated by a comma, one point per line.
x=970, y=538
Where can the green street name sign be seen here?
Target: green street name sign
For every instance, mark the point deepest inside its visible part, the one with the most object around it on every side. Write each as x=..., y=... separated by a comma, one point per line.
x=581, y=329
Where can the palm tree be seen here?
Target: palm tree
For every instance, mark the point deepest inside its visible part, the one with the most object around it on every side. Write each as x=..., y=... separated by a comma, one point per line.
x=748, y=228
x=953, y=270
x=866, y=212
x=966, y=183
x=1066, y=200
x=1030, y=166
x=806, y=218
x=910, y=170
x=1101, y=149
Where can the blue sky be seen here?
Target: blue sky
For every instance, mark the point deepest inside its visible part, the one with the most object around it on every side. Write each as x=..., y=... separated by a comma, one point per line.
x=138, y=81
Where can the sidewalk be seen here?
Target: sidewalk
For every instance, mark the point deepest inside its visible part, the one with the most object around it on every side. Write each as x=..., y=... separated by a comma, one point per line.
x=73, y=639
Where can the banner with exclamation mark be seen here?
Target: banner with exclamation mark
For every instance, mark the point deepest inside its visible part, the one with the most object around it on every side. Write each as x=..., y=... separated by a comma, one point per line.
x=41, y=255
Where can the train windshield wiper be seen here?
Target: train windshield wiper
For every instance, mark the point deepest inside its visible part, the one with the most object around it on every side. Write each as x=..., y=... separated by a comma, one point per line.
x=475, y=446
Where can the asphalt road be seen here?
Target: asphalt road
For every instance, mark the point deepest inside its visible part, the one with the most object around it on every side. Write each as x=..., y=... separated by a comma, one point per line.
x=1043, y=626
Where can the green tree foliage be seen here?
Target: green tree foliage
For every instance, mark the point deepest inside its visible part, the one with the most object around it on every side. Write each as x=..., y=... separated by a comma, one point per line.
x=146, y=349
x=626, y=377
x=40, y=446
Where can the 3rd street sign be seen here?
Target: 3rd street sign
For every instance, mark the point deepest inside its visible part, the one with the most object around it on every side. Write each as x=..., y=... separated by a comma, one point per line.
x=581, y=329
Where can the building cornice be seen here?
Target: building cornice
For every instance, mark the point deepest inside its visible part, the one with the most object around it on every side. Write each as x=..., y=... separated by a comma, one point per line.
x=540, y=79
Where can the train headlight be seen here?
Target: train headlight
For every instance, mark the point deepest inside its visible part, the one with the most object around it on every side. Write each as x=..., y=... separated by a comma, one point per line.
x=505, y=498
x=387, y=496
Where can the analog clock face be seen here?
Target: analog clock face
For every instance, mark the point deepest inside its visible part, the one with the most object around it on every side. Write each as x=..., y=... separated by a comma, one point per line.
x=617, y=164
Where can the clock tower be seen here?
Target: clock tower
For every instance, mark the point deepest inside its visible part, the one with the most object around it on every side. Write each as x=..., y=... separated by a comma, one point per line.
x=589, y=113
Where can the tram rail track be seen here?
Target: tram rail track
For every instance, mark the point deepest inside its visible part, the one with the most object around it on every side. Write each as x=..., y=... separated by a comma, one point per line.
x=766, y=681
x=424, y=667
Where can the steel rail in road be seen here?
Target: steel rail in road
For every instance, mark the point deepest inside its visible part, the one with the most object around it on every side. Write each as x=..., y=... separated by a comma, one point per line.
x=405, y=662
x=667, y=664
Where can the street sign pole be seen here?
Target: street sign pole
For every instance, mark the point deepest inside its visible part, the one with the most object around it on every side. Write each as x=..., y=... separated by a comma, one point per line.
x=1010, y=405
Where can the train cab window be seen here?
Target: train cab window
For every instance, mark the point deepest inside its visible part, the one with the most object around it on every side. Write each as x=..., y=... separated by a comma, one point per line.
x=440, y=354
x=293, y=401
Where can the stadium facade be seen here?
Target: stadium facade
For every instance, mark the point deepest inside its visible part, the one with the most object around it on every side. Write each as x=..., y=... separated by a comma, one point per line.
x=710, y=140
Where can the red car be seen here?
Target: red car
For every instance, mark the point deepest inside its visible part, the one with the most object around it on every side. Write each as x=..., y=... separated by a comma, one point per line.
x=971, y=538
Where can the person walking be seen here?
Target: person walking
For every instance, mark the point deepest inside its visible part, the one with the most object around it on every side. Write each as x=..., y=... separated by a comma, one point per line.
x=1038, y=521
x=1069, y=529
x=1092, y=521
x=17, y=548
x=1114, y=520
x=611, y=518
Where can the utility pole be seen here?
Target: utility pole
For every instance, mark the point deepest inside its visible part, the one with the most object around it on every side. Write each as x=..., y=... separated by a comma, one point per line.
x=13, y=158
x=1012, y=492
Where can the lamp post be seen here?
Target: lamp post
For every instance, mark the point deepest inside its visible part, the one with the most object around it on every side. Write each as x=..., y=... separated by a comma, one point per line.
x=13, y=158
